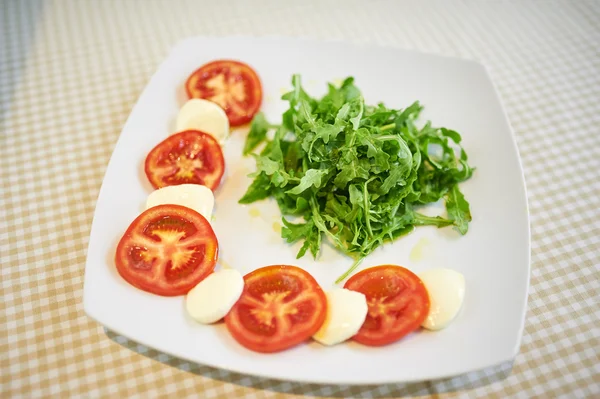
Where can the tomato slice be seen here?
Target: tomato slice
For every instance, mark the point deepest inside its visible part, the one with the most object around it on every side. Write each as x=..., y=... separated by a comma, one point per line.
x=188, y=157
x=233, y=85
x=167, y=250
x=398, y=303
x=281, y=306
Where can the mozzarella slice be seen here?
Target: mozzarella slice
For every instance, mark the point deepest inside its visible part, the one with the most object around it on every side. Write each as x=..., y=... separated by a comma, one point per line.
x=346, y=313
x=213, y=297
x=446, y=290
x=195, y=196
x=203, y=115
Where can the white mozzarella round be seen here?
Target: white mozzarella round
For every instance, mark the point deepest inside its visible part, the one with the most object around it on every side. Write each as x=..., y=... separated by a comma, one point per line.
x=203, y=115
x=346, y=313
x=211, y=300
x=446, y=290
x=195, y=196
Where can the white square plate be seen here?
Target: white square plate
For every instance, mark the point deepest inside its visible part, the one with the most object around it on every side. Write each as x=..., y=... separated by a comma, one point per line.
x=493, y=256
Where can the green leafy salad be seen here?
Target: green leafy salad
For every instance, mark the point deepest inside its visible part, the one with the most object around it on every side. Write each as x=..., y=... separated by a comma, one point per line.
x=355, y=173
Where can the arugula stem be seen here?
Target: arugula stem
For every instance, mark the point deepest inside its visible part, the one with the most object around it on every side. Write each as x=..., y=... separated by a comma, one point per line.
x=352, y=141
x=387, y=127
x=387, y=137
x=350, y=270
x=366, y=205
x=438, y=221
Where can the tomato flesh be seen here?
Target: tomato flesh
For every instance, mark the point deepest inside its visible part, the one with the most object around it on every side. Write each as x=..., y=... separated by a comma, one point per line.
x=281, y=306
x=398, y=303
x=167, y=250
x=233, y=85
x=188, y=157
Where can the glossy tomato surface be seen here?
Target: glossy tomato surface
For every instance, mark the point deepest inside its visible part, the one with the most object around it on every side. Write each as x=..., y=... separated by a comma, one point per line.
x=281, y=306
x=398, y=303
x=233, y=85
x=188, y=157
x=167, y=250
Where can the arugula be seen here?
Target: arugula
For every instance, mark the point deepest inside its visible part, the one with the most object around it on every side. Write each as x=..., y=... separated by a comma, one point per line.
x=355, y=172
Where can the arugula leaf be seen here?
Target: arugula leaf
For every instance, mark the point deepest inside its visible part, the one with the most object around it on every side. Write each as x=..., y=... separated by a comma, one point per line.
x=395, y=177
x=307, y=231
x=356, y=172
x=374, y=149
x=458, y=209
x=257, y=134
x=342, y=114
x=451, y=134
x=265, y=165
x=356, y=119
x=289, y=205
x=312, y=177
x=258, y=190
x=411, y=112
x=349, y=169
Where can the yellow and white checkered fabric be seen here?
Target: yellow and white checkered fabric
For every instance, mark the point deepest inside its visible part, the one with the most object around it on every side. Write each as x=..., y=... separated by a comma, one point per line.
x=70, y=72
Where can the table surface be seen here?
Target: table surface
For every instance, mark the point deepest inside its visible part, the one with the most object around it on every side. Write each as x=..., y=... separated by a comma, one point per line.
x=70, y=72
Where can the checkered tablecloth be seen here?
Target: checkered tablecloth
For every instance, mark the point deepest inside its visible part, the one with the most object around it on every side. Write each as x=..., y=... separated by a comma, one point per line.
x=70, y=72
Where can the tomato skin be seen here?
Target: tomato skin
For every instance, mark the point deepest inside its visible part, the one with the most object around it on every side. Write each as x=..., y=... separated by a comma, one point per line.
x=295, y=305
x=398, y=303
x=156, y=275
x=239, y=111
x=178, y=154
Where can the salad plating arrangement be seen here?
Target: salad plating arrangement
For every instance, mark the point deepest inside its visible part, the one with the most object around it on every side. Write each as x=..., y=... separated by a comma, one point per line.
x=354, y=173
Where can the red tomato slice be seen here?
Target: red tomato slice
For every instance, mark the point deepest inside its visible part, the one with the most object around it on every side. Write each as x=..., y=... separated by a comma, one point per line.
x=398, y=303
x=233, y=85
x=281, y=306
x=167, y=250
x=188, y=157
